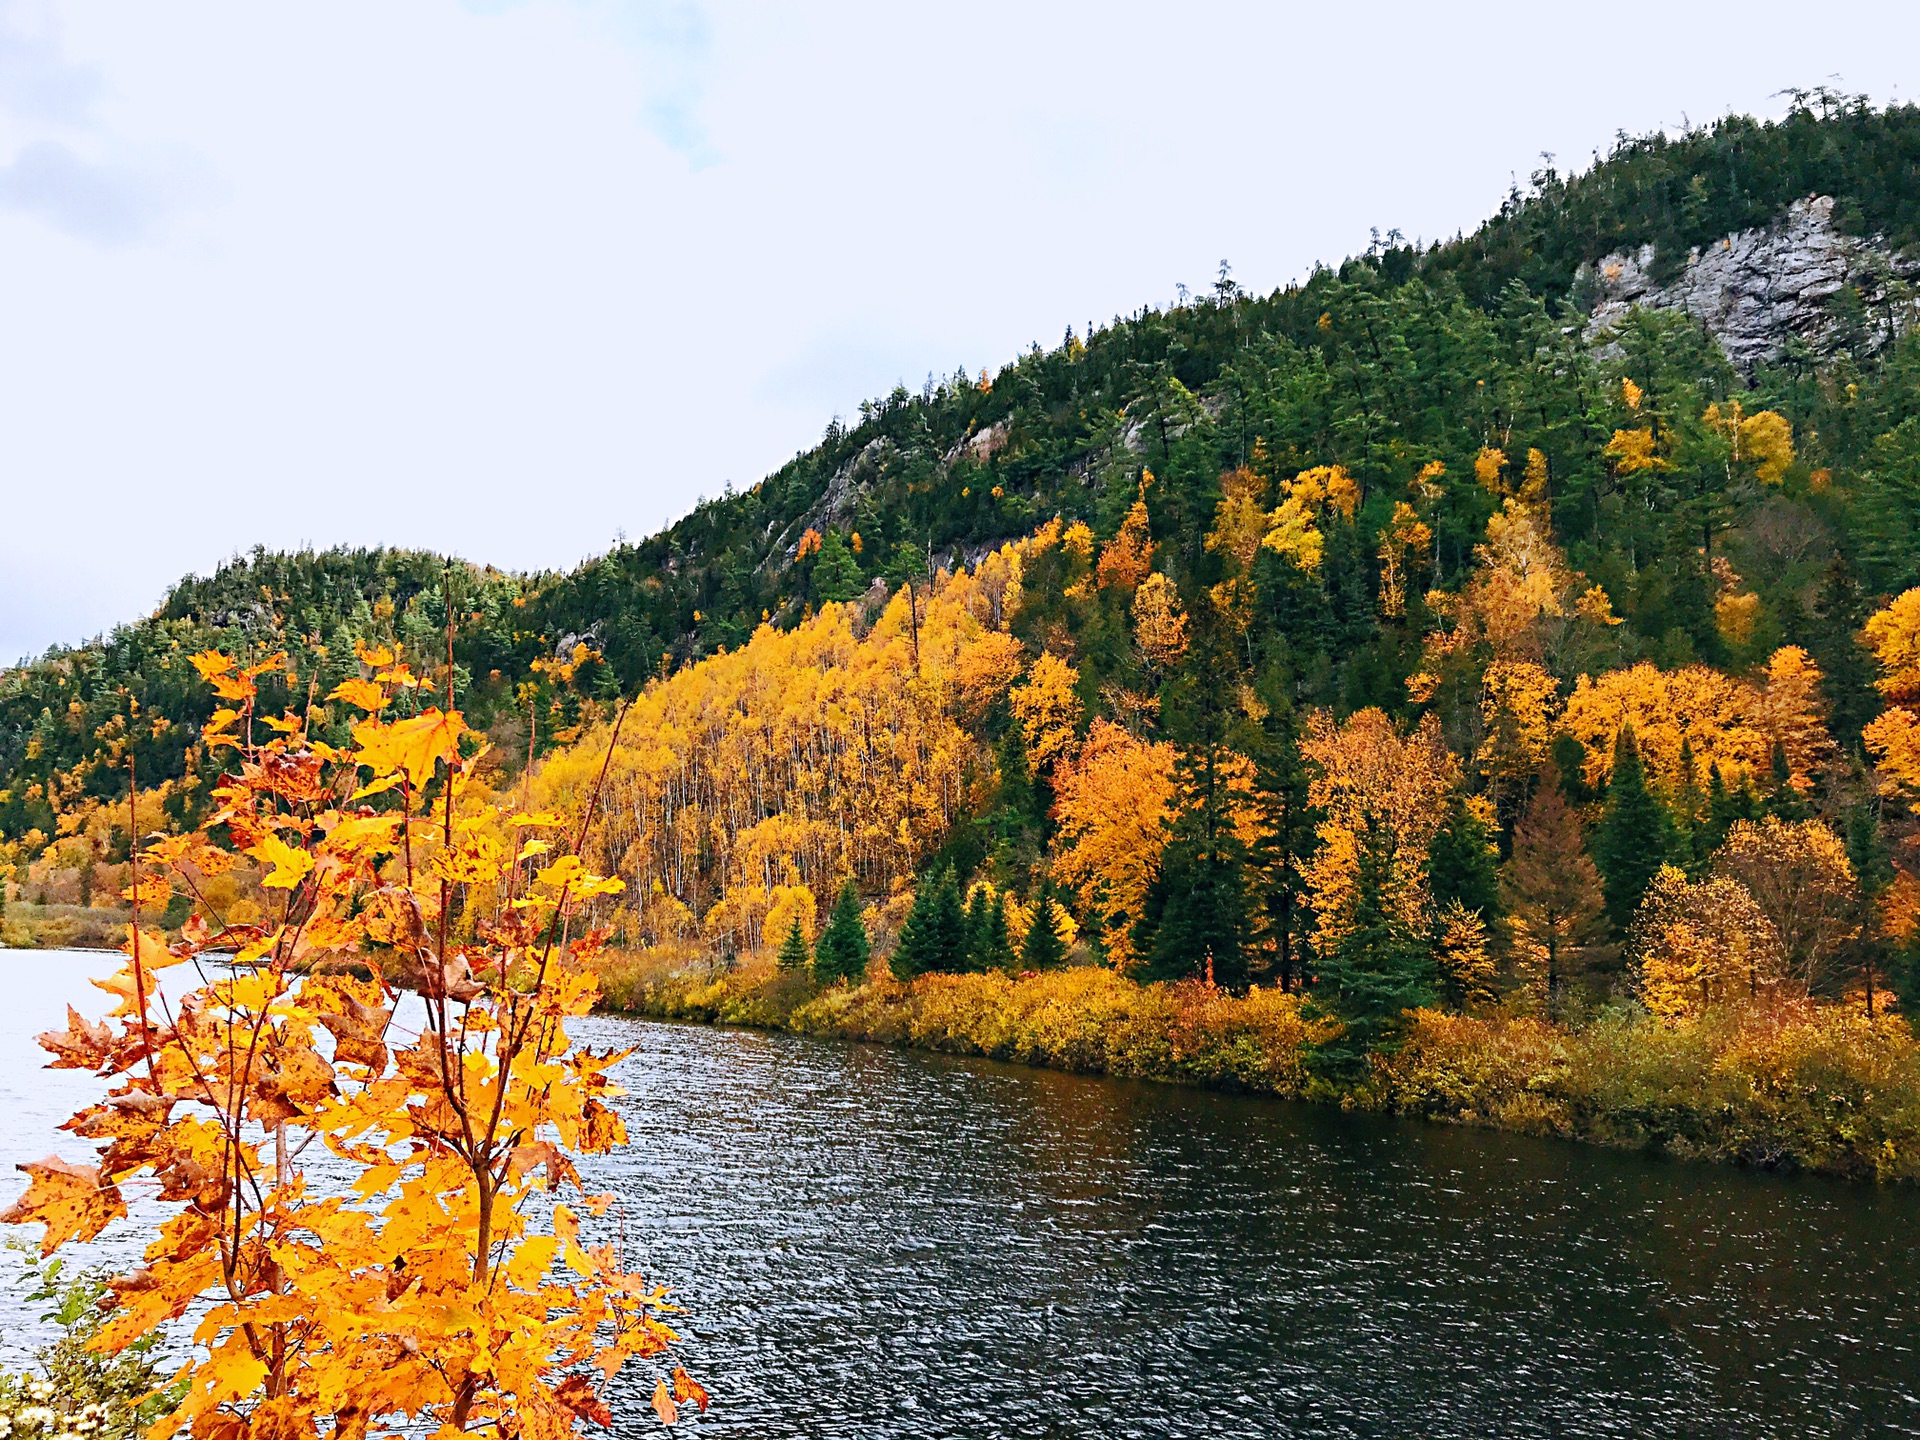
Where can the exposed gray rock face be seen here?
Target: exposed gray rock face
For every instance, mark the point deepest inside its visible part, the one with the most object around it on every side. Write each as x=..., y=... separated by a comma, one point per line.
x=1759, y=290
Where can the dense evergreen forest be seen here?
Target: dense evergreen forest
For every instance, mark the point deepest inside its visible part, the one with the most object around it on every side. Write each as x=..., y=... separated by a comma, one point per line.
x=1403, y=411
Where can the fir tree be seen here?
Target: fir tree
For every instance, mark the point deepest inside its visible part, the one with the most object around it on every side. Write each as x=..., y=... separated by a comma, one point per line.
x=1873, y=871
x=836, y=574
x=1725, y=806
x=1634, y=837
x=843, y=948
x=1782, y=799
x=1379, y=969
x=934, y=939
x=1690, y=815
x=989, y=947
x=1463, y=864
x=977, y=920
x=1286, y=838
x=1043, y=950
x=1196, y=918
x=796, y=956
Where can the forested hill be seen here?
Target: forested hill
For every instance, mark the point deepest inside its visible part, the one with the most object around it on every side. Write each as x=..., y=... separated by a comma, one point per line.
x=1406, y=367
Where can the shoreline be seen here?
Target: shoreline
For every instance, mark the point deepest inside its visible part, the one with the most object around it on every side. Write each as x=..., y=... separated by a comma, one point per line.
x=1786, y=1087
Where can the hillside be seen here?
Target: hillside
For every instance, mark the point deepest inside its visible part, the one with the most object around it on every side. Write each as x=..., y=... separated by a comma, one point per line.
x=1443, y=383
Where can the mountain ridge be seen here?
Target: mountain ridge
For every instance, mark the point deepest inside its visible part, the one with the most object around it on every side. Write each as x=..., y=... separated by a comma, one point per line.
x=945, y=473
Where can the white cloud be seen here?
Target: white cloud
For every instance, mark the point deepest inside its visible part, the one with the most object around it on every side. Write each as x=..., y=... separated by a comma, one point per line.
x=108, y=203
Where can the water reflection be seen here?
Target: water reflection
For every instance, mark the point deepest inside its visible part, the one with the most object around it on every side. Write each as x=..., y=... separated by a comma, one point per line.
x=881, y=1243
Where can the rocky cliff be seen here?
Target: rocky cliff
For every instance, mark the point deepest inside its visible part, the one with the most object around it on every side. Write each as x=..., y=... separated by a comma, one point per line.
x=1763, y=292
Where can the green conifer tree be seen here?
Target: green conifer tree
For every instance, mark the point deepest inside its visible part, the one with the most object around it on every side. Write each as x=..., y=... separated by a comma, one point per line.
x=843, y=948
x=1634, y=837
x=996, y=947
x=1725, y=806
x=1378, y=970
x=1196, y=920
x=1286, y=837
x=934, y=939
x=1782, y=799
x=1043, y=950
x=978, y=917
x=1464, y=864
x=836, y=573
x=796, y=956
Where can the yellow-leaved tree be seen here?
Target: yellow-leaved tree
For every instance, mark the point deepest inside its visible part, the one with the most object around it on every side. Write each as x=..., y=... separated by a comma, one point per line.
x=1114, y=802
x=428, y=1278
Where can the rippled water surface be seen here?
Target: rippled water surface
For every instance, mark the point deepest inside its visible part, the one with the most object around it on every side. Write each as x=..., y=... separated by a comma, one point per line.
x=880, y=1243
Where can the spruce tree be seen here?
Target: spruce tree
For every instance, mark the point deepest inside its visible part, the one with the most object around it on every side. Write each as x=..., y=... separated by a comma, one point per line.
x=1286, y=838
x=1043, y=950
x=843, y=948
x=796, y=956
x=1724, y=807
x=1634, y=836
x=996, y=946
x=978, y=911
x=1782, y=799
x=836, y=574
x=1196, y=919
x=934, y=939
x=1379, y=969
x=1873, y=871
x=1463, y=863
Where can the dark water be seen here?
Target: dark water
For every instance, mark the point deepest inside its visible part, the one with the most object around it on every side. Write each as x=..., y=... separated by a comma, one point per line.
x=878, y=1243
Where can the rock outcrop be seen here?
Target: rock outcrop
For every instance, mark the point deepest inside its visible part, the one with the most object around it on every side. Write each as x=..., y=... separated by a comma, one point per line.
x=1759, y=291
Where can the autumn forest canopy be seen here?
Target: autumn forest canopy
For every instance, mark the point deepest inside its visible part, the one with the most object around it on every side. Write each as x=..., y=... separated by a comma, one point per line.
x=1399, y=639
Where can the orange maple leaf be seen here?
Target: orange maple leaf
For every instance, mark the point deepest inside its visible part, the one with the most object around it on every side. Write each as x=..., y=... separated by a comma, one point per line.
x=68, y=1199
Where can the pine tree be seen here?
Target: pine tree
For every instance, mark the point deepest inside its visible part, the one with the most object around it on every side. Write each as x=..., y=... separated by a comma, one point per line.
x=1782, y=799
x=1463, y=864
x=843, y=948
x=1043, y=950
x=934, y=939
x=1286, y=837
x=1196, y=921
x=1557, y=912
x=1634, y=836
x=1379, y=969
x=836, y=574
x=796, y=956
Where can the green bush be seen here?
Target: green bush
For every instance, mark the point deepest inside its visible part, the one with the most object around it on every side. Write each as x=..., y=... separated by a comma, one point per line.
x=79, y=1392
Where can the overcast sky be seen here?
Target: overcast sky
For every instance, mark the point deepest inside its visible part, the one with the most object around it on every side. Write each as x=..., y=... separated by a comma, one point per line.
x=505, y=279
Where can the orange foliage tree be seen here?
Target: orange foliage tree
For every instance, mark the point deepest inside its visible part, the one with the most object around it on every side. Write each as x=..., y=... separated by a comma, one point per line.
x=428, y=1278
x=805, y=757
x=1113, y=802
x=1894, y=738
x=1367, y=774
x=1722, y=720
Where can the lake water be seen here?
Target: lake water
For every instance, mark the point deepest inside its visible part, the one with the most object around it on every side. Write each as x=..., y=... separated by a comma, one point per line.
x=882, y=1243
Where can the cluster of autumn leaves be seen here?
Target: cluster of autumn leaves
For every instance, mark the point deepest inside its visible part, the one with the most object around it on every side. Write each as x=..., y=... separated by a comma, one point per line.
x=401, y=1000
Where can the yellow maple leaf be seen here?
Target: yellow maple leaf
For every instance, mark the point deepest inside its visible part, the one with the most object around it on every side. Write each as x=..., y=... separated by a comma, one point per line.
x=290, y=866
x=69, y=1200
